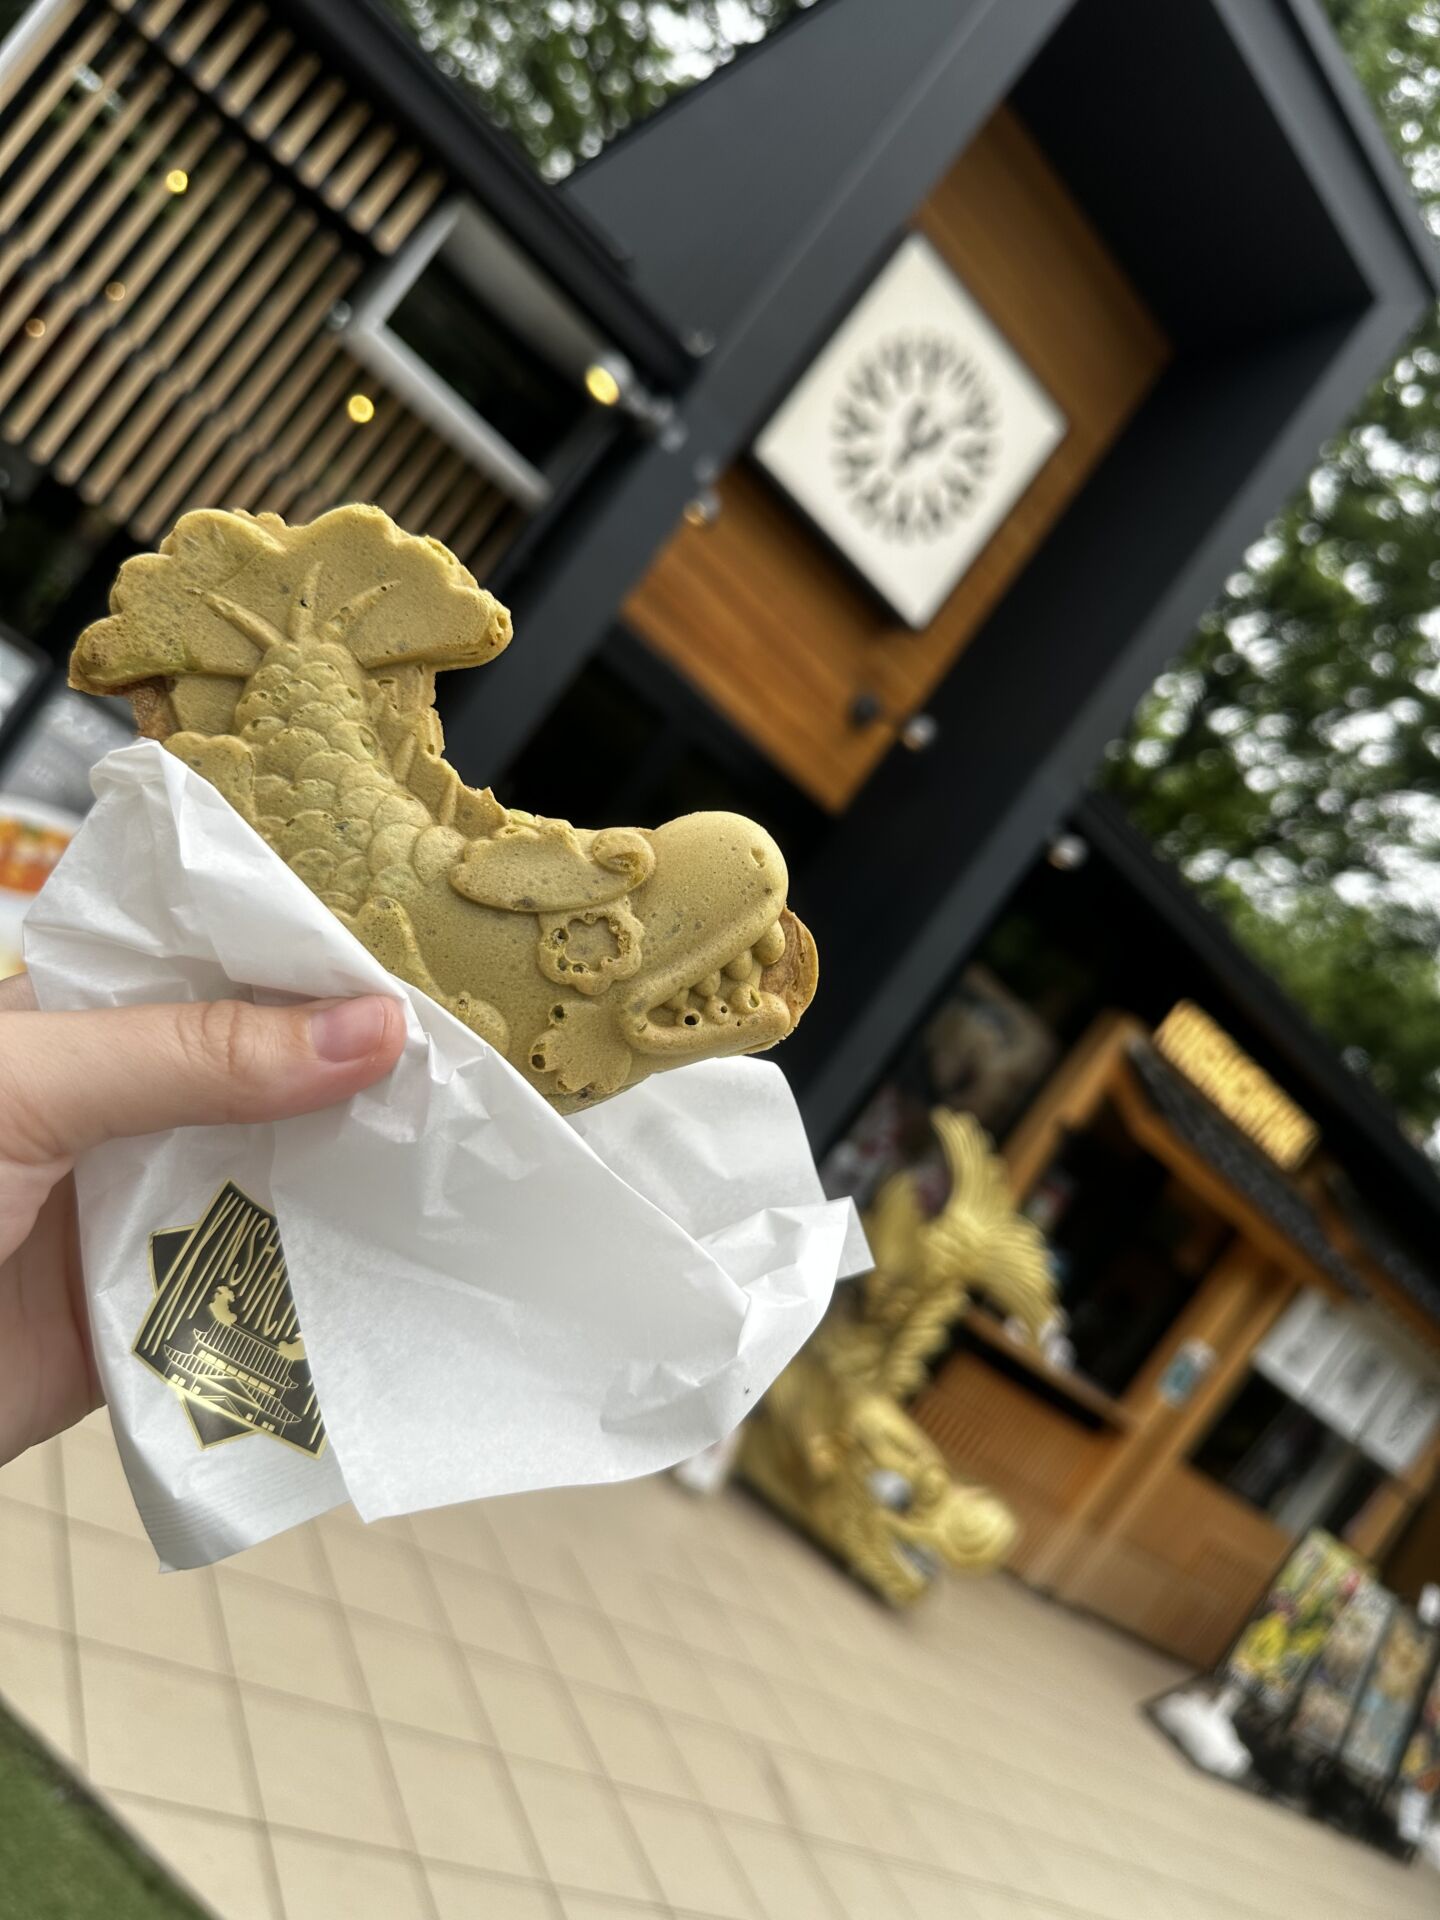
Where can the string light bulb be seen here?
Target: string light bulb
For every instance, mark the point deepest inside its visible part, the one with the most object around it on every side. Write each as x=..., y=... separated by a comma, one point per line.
x=361, y=409
x=35, y=327
x=602, y=385
x=114, y=289
x=177, y=180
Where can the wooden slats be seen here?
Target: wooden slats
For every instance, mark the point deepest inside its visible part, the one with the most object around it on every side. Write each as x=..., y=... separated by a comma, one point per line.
x=308, y=118
x=164, y=349
x=236, y=93
x=48, y=94
x=28, y=241
x=72, y=344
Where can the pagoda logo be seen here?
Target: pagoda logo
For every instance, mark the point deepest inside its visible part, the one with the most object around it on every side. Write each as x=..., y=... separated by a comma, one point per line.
x=222, y=1329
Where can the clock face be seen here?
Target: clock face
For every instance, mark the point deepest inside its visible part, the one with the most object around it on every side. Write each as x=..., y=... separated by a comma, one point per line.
x=913, y=433
x=914, y=436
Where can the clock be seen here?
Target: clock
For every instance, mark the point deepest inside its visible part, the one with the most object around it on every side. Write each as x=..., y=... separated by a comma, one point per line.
x=912, y=434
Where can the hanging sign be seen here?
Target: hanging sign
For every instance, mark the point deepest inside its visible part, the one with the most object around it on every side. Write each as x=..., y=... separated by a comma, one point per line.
x=1246, y=1095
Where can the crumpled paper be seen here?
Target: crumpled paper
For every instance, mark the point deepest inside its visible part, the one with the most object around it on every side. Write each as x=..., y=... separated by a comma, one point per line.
x=492, y=1298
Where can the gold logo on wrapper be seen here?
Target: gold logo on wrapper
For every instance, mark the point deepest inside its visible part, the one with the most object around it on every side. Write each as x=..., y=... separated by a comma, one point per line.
x=222, y=1328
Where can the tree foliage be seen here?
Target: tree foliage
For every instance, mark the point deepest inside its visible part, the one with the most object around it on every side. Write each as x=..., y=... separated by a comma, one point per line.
x=1290, y=759
x=565, y=76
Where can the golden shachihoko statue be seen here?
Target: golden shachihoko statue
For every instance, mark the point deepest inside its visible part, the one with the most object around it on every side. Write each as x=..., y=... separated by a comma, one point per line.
x=831, y=1446
x=294, y=668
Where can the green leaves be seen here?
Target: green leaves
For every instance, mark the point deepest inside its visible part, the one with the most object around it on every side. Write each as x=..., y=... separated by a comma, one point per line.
x=566, y=76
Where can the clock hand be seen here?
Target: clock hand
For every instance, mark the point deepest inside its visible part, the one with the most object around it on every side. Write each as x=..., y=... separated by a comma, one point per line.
x=914, y=441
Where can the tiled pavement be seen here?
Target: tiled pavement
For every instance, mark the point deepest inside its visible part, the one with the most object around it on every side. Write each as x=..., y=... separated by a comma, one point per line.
x=614, y=1705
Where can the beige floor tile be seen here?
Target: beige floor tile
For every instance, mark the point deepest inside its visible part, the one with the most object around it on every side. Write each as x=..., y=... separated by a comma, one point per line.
x=689, y=1858
x=530, y=1713
x=935, y=1896
x=582, y=1836
x=380, y=1573
x=224, y=1861
x=732, y=1774
x=621, y=1588
x=34, y=1478
x=699, y=1621
x=171, y=1732
x=597, y=1906
x=95, y=1485
x=631, y=1739
x=33, y=1585
x=487, y=1614
x=416, y=1679
x=779, y=1867
x=543, y=1564
x=750, y=1704
x=459, y=1533
x=881, y=1816
x=322, y=1770
x=288, y=1640
x=861, y=1885
x=889, y=1750
x=320, y=1878
x=582, y=1644
x=123, y=1600
x=290, y=1559
x=728, y=1578
x=467, y=1896
x=768, y=1646
x=903, y=1768
x=826, y=1726
x=984, y=1847
x=459, y=1803
x=39, y=1680
x=671, y=1675
x=805, y=1790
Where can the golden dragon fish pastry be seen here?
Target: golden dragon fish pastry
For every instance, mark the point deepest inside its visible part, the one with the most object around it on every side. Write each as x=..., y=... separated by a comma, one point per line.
x=294, y=668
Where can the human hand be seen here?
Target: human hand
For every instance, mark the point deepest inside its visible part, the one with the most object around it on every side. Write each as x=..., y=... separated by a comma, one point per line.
x=71, y=1080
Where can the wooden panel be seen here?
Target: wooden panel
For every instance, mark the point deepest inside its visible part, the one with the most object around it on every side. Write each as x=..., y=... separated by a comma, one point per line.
x=994, y=1432
x=207, y=375
x=1412, y=1560
x=771, y=627
x=1185, y=1570
x=1238, y=1302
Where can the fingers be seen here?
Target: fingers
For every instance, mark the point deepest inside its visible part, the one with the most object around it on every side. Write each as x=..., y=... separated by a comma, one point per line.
x=71, y=1080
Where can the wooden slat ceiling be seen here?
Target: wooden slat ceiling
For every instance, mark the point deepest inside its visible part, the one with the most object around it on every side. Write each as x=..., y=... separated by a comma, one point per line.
x=164, y=350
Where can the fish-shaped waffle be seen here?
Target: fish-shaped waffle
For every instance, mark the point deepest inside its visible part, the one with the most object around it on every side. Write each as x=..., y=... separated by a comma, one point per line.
x=294, y=668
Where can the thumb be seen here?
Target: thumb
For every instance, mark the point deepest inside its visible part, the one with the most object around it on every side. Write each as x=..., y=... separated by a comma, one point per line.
x=70, y=1080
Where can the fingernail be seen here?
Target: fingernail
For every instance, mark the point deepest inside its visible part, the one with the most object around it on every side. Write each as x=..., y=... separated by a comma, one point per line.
x=349, y=1030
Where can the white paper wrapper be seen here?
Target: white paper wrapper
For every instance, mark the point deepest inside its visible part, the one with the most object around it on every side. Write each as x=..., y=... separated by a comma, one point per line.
x=492, y=1298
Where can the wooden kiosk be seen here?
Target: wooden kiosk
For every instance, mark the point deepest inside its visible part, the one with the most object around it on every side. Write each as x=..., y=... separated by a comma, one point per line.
x=1161, y=1478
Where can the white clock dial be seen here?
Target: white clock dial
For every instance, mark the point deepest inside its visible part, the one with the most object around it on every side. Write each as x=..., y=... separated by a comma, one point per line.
x=914, y=436
x=913, y=433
